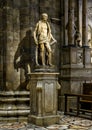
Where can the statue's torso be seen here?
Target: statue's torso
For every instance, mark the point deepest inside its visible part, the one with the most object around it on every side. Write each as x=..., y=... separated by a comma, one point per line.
x=43, y=37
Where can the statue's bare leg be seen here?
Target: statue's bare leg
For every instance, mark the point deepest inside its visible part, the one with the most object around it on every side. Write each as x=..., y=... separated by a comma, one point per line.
x=42, y=56
x=49, y=59
x=49, y=56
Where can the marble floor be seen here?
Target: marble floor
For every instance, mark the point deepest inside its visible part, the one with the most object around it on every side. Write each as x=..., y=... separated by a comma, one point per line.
x=66, y=123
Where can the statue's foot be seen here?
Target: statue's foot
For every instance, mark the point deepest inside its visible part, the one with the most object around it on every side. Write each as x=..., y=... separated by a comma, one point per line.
x=50, y=65
x=43, y=64
x=37, y=64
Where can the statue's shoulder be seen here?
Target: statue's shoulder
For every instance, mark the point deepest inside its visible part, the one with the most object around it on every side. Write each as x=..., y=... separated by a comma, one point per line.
x=39, y=22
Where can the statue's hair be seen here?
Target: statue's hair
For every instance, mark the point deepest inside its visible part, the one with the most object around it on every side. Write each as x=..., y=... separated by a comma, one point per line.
x=44, y=14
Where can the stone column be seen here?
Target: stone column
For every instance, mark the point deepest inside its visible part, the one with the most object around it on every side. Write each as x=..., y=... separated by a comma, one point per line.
x=11, y=77
x=77, y=15
x=71, y=23
x=65, y=10
x=43, y=98
x=84, y=23
x=1, y=50
x=62, y=23
x=87, y=50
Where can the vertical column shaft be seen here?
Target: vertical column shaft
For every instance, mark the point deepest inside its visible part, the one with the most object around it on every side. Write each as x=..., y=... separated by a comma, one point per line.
x=62, y=23
x=71, y=24
x=65, y=9
x=77, y=11
x=84, y=23
x=9, y=33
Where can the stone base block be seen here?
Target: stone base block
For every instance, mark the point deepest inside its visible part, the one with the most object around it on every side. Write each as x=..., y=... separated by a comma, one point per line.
x=45, y=120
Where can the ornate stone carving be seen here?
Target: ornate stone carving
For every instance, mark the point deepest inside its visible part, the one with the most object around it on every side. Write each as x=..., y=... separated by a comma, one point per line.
x=79, y=57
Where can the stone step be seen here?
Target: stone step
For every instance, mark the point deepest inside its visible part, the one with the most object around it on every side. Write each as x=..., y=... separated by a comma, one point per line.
x=11, y=93
x=14, y=99
x=14, y=113
x=14, y=119
x=14, y=106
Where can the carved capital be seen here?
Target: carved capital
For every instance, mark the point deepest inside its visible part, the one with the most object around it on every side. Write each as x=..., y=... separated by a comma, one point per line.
x=39, y=86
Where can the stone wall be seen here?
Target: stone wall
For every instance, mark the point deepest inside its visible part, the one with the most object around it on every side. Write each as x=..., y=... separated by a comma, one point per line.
x=17, y=18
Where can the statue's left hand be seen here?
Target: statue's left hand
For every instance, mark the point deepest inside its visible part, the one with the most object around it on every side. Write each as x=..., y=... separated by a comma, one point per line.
x=55, y=40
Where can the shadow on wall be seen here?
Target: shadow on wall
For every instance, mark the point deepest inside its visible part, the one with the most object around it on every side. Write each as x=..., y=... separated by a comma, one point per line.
x=23, y=58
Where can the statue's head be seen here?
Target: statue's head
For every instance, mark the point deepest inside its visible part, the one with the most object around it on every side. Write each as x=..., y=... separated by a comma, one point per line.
x=44, y=16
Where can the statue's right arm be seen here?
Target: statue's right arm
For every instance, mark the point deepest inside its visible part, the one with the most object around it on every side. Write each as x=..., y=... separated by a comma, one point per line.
x=35, y=34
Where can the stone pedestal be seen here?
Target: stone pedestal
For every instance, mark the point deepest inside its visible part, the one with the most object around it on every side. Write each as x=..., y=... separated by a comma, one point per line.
x=76, y=70
x=87, y=57
x=43, y=98
x=72, y=57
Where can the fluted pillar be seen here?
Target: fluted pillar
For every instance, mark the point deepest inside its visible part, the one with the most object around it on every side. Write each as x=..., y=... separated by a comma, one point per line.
x=65, y=21
x=70, y=26
x=87, y=50
x=1, y=50
x=84, y=23
x=77, y=14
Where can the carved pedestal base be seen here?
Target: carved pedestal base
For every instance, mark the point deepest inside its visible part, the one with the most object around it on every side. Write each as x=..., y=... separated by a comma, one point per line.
x=45, y=120
x=43, y=98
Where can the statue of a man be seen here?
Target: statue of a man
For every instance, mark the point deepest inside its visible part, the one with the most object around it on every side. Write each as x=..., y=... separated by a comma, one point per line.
x=77, y=38
x=43, y=39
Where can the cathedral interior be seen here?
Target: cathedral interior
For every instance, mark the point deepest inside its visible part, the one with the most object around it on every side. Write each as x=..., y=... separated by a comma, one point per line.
x=37, y=93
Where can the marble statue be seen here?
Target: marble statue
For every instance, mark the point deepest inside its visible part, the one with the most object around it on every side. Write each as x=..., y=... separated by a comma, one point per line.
x=43, y=40
x=90, y=43
x=77, y=38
